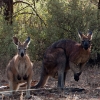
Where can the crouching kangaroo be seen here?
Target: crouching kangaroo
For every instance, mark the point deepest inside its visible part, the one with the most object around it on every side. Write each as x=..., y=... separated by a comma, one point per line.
x=64, y=55
x=19, y=69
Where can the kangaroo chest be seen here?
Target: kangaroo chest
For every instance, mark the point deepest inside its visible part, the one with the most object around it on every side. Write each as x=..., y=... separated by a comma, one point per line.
x=79, y=58
x=82, y=59
x=22, y=67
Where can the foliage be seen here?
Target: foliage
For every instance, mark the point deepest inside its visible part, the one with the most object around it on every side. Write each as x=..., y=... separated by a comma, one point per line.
x=47, y=21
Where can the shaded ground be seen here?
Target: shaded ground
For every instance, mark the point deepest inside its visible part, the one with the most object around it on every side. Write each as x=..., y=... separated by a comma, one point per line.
x=87, y=88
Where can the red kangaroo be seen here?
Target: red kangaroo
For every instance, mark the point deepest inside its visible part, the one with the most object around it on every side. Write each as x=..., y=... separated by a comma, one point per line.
x=64, y=55
x=19, y=69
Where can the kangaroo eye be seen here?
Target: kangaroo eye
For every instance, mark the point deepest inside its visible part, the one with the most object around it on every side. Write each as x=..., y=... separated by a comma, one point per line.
x=19, y=49
x=82, y=41
x=89, y=41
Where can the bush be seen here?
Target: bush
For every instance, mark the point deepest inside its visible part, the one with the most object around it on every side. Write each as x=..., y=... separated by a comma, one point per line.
x=49, y=21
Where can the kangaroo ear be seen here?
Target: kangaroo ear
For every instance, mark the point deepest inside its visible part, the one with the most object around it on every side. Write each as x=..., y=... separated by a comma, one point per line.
x=27, y=41
x=15, y=40
x=89, y=35
x=80, y=35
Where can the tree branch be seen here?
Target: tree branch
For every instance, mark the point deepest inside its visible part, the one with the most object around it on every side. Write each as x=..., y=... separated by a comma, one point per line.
x=32, y=9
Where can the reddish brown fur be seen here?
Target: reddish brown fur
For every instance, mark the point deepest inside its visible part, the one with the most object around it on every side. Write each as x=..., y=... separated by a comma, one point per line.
x=62, y=56
x=77, y=54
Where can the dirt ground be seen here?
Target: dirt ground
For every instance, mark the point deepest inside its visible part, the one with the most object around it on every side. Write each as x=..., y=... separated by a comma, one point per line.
x=87, y=88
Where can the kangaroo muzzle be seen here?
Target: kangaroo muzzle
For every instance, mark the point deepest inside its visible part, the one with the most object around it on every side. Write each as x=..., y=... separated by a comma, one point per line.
x=22, y=54
x=86, y=46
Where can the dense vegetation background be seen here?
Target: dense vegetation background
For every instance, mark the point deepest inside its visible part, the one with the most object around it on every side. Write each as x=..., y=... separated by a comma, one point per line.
x=46, y=21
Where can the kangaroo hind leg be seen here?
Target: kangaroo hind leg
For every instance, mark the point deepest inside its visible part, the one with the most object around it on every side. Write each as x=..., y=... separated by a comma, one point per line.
x=28, y=96
x=61, y=70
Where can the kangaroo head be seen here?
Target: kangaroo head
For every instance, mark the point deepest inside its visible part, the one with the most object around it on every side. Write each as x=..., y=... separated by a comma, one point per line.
x=86, y=39
x=21, y=46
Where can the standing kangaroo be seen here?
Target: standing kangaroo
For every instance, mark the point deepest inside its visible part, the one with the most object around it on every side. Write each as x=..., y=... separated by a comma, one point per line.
x=20, y=68
x=64, y=55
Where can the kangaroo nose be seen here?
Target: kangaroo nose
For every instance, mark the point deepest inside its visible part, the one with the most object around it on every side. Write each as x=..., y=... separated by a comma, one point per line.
x=86, y=46
x=22, y=54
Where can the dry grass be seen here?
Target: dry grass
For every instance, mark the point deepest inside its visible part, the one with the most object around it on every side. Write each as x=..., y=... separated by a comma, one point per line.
x=87, y=88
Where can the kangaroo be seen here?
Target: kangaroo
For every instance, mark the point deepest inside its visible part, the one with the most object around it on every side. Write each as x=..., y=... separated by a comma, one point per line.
x=20, y=68
x=64, y=55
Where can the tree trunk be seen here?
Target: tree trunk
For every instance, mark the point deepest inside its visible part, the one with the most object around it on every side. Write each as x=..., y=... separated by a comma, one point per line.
x=8, y=10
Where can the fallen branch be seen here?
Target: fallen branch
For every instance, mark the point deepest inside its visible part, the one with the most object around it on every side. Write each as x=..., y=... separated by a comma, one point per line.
x=6, y=86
